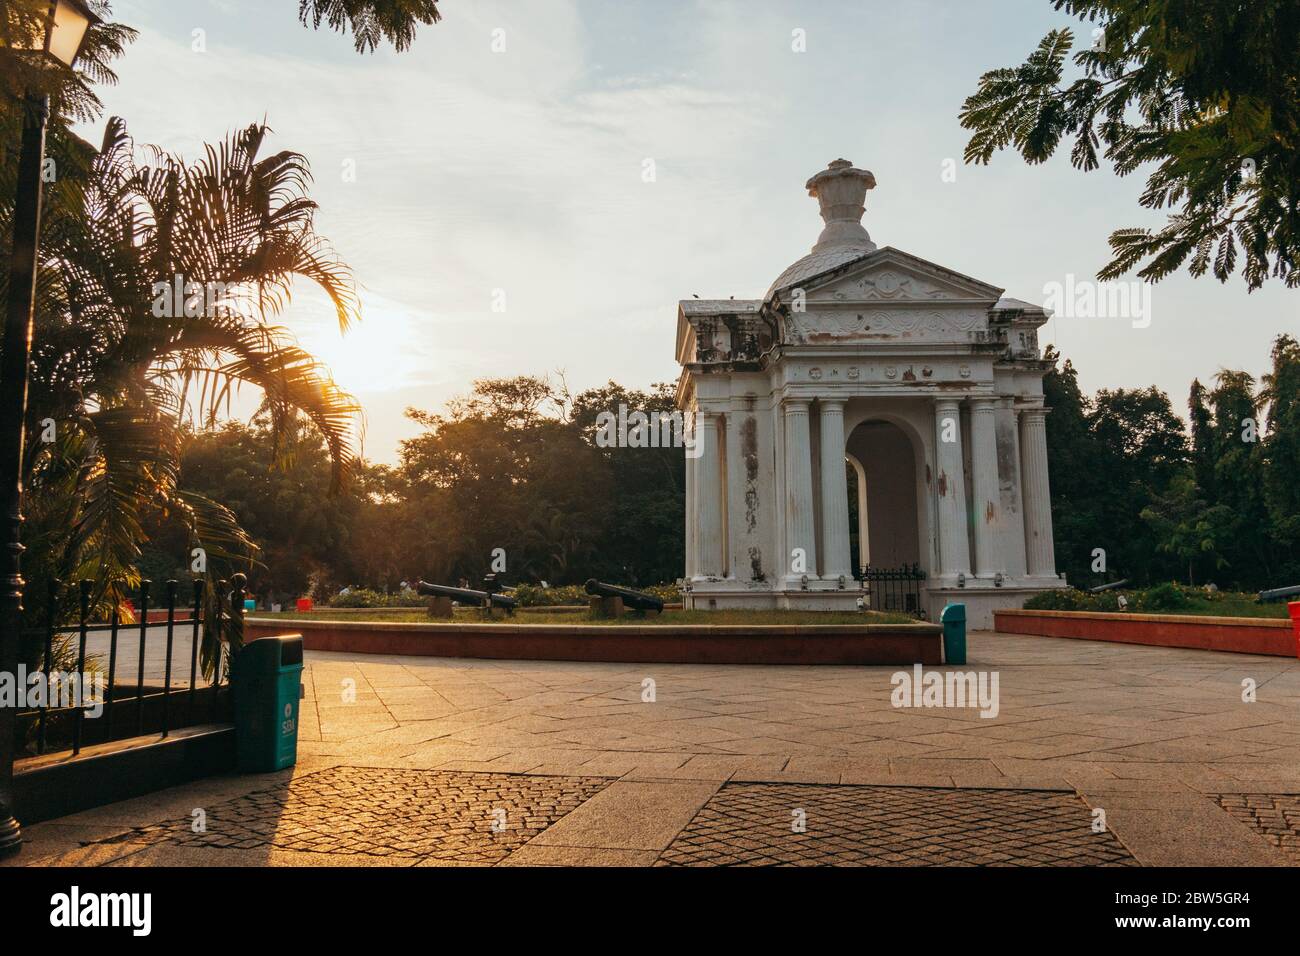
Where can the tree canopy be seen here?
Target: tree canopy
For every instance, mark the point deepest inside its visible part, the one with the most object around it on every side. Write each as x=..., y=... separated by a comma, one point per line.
x=1204, y=95
x=1209, y=501
x=371, y=21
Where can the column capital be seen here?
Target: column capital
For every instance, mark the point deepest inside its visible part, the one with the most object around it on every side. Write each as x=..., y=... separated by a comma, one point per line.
x=832, y=403
x=1034, y=413
x=795, y=405
x=946, y=403
x=983, y=403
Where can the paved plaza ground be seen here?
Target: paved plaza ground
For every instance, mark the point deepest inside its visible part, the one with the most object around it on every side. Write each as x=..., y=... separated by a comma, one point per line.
x=430, y=762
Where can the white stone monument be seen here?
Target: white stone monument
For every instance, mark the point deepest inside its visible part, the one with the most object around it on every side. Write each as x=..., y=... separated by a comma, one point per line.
x=925, y=383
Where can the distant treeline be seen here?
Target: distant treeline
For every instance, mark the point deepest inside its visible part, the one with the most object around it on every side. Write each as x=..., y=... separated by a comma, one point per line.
x=513, y=475
x=521, y=472
x=1213, y=499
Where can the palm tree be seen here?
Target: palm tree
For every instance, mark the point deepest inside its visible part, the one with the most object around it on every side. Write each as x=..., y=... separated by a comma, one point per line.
x=120, y=359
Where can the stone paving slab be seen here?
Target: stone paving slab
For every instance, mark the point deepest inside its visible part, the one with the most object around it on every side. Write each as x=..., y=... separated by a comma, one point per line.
x=631, y=815
x=1194, y=836
x=534, y=854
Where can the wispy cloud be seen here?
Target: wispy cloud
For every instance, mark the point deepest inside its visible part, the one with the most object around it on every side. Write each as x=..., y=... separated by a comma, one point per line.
x=520, y=176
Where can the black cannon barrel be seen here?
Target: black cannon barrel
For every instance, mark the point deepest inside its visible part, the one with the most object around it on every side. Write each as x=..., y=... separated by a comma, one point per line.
x=637, y=600
x=1277, y=594
x=465, y=595
x=1108, y=587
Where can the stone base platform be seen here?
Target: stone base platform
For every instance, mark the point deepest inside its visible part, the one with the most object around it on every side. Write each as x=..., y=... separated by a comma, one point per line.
x=981, y=597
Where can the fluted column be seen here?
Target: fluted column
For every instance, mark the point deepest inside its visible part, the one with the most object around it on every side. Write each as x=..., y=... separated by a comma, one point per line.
x=799, y=524
x=984, y=487
x=954, y=552
x=708, y=494
x=1039, y=550
x=835, y=492
x=1011, y=534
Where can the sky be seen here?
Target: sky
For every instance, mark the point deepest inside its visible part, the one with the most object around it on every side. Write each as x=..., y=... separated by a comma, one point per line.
x=489, y=187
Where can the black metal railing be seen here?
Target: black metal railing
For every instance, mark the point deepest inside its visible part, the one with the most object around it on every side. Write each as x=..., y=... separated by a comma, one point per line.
x=894, y=589
x=148, y=701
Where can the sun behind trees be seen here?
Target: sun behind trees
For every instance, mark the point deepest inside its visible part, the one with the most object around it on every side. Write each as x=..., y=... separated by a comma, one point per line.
x=117, y=370
x=514, y=466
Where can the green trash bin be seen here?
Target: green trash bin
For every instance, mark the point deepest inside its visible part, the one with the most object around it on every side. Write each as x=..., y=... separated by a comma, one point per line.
x=954, y=633
x=266, y=678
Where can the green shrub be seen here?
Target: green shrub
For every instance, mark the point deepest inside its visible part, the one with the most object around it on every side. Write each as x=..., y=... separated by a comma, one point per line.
x=366, y=597
x=668, y=593
x=534, y=595
x=1162, y=597
x=1072, y=599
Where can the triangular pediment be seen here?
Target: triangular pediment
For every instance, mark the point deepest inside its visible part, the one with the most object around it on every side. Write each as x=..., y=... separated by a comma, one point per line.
x=891, y=275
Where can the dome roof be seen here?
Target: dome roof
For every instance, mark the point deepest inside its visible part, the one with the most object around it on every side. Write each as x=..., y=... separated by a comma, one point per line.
x=815, y=263
x=841, y=191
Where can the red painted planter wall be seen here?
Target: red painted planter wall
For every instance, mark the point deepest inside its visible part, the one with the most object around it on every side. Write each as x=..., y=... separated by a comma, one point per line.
x=689, y=644
x=1241, y=635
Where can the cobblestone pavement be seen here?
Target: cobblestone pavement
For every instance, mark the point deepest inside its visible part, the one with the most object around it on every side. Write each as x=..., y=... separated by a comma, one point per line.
x=481, y=818
x=438, y=815
x=1275, y=815
x=759, y=824
x=408, y=756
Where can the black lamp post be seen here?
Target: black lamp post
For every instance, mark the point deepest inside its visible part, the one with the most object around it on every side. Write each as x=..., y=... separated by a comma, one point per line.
x=57, y=40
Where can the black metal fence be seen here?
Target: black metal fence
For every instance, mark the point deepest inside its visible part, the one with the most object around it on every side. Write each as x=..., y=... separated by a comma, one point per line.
x=131, y=697
x=894, y=589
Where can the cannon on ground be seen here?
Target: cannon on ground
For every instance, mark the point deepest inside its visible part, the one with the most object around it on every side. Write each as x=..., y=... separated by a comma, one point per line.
x=1278, y=594
x=609, y=593
x=483, y=599
x=1108, y=587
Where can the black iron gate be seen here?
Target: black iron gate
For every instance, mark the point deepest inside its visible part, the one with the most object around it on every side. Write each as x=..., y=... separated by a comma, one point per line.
x=86, y=674
x=894, y=589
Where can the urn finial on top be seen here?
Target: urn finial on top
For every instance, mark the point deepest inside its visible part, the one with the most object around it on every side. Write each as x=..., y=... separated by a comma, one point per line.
x=841, y=191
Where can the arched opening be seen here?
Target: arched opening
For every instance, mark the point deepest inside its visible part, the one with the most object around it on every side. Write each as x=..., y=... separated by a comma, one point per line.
x=882, y=504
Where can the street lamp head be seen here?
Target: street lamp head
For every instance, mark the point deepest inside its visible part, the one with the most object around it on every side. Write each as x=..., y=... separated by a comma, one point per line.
x=61, y=33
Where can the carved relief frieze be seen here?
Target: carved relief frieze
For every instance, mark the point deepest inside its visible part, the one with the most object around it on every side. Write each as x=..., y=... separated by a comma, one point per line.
x=851, y=325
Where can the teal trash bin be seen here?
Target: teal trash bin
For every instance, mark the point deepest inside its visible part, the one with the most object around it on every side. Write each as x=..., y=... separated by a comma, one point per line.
x=266, y=678
x=954, y=633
